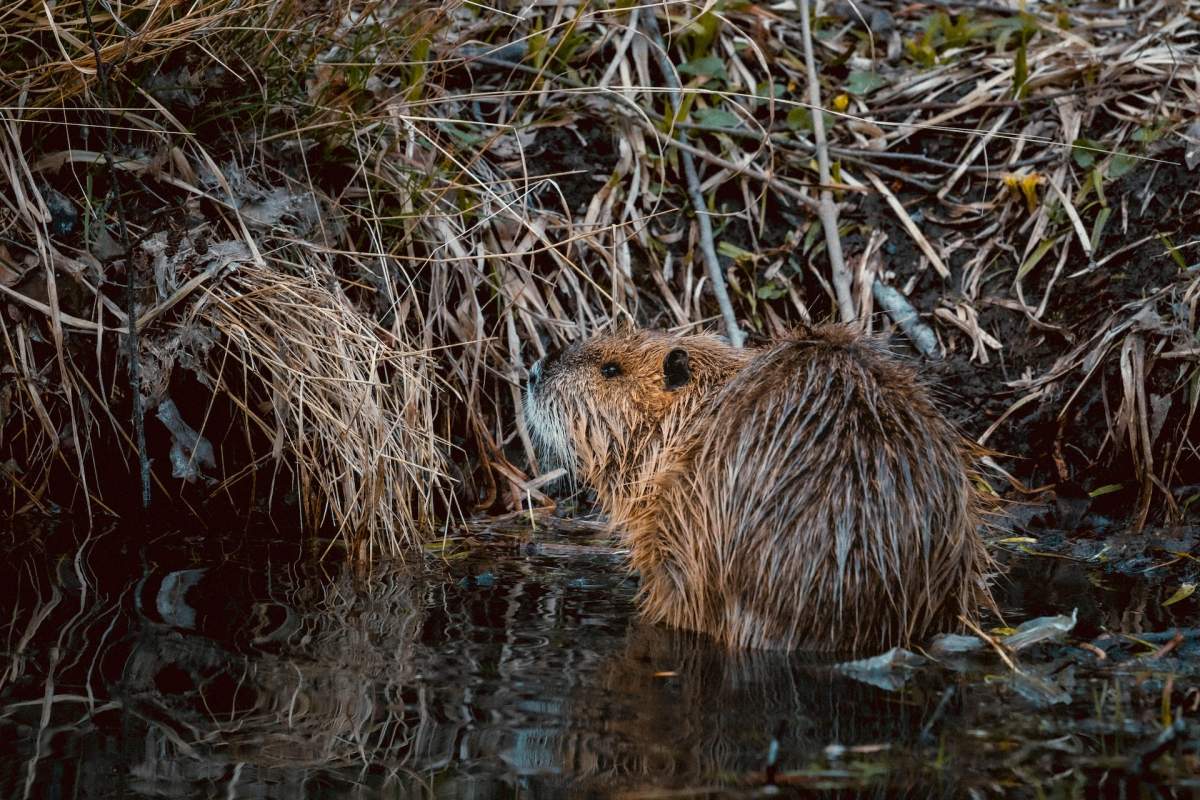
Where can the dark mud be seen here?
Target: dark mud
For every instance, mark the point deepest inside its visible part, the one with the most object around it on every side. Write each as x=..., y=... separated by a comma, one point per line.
x=579, y=158
x=243, y=667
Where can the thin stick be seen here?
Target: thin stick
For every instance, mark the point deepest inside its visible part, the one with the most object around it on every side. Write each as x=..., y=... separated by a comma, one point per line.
x=131, y=339
x=62, y=317
x=715, y=276
x=827, y=211
x=906, y=317
x=995, y=645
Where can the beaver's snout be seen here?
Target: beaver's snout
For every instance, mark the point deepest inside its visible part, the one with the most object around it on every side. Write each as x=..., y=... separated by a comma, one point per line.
x=539, y=369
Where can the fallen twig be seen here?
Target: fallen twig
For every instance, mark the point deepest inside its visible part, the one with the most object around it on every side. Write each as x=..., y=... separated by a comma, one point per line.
x=826, y=210
x=715, y=276
x=907, y=318
x=62, y=317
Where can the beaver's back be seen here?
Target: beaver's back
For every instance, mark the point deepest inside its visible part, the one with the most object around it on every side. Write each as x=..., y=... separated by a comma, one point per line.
x=819, y=501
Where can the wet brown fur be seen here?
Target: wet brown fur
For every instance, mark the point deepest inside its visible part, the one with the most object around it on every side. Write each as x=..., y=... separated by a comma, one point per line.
x=804, y=495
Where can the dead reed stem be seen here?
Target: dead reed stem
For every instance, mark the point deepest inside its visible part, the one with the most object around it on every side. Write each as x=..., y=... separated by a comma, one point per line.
x=131, y=335
x=716, y=275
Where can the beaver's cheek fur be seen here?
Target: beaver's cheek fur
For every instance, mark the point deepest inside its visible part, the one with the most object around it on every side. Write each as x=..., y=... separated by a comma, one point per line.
x=569, y=434
x=602, y=429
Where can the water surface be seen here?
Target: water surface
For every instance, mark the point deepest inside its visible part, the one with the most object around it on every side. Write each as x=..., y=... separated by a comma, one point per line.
x=195, y=665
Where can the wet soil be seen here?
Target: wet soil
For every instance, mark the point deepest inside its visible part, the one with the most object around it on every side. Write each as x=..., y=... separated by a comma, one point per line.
x=512, y=663
x=580, y=158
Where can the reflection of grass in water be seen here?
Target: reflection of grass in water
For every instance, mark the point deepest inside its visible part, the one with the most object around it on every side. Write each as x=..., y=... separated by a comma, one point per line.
x=323, y=688
x=328, y=696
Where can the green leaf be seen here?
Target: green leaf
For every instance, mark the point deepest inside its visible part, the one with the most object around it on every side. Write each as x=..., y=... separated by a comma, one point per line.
x=567, y=46
x=416, y=79
x=775, y=90
x=1098, y=183
x=709, y=67
x=770, y=291
x=730, y=250
x=810, y=236
x=1176, y=256
x=537, y=47
x=466, y=137
x=1083, y=151
x=672, y=116
x=1146, y=134
x=715, y=117
x=1120, y=165
x=1020, y=72
x=1035, y=257
x=1098, y=226
x=861, y=83
x=1182, y=593
x=703, y=31
x=921, y=53
x=800, y=119
x=1107, y=488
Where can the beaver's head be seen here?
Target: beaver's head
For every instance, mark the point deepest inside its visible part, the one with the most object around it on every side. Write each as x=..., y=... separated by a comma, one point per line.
x=600, y=407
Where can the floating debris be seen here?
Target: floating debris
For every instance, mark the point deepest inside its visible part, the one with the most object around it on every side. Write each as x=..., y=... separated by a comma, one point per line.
x=1042, y=629
x=189, y=450
x=890, y=670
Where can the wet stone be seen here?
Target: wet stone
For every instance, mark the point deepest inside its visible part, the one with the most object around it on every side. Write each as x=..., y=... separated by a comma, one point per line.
x=64, y=216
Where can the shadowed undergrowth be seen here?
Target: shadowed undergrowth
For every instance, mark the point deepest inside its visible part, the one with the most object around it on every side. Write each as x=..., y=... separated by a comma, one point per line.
x=350, y=226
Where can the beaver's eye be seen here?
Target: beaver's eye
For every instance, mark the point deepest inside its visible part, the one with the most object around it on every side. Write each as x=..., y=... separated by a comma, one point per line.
x=610, y=369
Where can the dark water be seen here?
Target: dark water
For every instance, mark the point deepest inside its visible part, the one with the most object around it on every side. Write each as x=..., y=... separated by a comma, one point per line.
x=194, y=666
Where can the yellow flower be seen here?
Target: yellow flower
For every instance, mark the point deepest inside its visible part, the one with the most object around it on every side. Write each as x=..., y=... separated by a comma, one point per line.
x=1025, y=186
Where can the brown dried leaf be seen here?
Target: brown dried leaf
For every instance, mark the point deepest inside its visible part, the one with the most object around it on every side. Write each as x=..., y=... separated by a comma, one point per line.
x=9, y=272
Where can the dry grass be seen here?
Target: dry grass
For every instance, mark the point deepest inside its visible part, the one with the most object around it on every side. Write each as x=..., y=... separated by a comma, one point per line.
x=492, y=183
x=352, y=410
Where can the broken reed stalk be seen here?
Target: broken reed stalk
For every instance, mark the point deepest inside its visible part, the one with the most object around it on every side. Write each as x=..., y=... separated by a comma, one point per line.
x=131, y=335
x=906, y=318
x=715, y=276
x=826, y=210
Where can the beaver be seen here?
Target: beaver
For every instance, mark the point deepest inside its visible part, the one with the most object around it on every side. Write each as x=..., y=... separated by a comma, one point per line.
x=803, y=495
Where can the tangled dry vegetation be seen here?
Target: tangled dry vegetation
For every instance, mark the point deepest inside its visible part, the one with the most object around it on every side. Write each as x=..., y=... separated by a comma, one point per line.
x=342, y=229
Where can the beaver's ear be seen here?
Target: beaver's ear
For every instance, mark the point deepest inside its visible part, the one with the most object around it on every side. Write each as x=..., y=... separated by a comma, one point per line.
x=676, y=372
